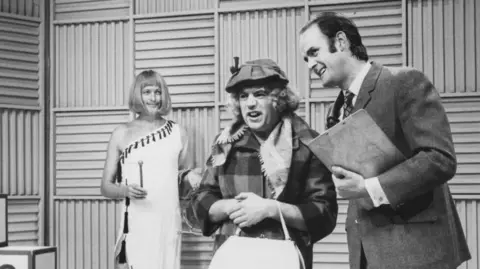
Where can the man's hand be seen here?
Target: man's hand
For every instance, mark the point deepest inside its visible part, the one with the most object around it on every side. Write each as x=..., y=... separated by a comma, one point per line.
x=251, y=209
x=349, y=185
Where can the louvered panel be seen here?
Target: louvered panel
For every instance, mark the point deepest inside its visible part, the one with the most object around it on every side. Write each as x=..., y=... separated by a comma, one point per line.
x=444, y=42
x=81, y=140
x=182, y=50
x=162, y=6
x=92, y=64
x=88, y=9
x=30, y=8
x=379, y=24
x=318, y=115
x=226, y=117
x=197, y=251
x=19, y=62
x=85, y=232
x=199, y=124
x=263, y=34
x=241, y=4
x=332, y=251
x=464, y=117
x=469, y=213
x=23, y=217
x=20, y=152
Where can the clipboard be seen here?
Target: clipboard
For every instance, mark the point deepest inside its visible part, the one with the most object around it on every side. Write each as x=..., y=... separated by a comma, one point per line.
x=357, y=144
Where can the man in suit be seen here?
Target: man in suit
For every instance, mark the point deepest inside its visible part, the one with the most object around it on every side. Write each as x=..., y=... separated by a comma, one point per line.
x=404, y=217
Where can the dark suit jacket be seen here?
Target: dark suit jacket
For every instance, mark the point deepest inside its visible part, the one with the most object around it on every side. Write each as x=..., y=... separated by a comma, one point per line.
x=420, y=228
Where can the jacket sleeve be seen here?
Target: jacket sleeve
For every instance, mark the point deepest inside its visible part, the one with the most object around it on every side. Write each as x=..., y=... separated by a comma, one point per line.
x=426, y=129
x=207, y=194
x=318, y=203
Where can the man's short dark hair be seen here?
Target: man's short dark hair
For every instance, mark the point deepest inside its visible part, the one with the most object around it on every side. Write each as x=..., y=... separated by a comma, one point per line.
x=330, y=23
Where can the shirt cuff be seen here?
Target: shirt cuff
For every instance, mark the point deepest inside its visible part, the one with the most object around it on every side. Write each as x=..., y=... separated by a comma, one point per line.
x=375, y=191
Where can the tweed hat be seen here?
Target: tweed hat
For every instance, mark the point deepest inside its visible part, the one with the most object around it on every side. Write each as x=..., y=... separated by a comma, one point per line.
x=255, y=73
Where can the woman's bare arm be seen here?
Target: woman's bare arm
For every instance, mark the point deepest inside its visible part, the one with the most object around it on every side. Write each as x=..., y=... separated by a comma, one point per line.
x=108, y=187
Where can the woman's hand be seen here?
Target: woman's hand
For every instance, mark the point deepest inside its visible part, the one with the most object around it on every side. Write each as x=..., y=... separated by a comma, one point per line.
x=135, y=191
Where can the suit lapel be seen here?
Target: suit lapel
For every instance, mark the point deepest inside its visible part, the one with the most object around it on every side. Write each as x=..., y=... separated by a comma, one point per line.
x=368, y=86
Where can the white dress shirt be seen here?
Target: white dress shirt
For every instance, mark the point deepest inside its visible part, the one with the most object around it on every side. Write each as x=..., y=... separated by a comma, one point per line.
x=374, y=189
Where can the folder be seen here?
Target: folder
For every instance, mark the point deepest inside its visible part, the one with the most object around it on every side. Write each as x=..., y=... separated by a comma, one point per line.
x=357, y=144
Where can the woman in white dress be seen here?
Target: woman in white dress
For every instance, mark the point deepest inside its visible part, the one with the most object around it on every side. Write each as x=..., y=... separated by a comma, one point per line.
x=147, y=164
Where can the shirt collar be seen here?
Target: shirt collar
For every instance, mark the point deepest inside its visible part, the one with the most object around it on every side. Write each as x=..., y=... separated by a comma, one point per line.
x=357, y=82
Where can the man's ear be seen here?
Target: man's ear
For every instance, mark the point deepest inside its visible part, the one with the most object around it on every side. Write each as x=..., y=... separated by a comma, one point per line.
x=342, y=41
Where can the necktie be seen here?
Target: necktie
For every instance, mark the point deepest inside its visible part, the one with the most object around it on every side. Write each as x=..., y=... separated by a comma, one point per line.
x=347, y=103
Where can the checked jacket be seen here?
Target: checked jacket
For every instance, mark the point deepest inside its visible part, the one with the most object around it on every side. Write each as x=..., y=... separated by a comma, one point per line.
x=309, y=186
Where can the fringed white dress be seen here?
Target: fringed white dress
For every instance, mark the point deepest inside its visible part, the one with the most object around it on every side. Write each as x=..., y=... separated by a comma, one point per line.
x=153, y=238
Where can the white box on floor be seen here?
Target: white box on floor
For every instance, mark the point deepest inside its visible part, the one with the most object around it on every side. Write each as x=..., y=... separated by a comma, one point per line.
x=28, y=257
x=3, y=220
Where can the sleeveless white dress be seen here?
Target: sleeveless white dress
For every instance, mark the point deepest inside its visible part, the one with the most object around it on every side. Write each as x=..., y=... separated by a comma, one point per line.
x=154, y=224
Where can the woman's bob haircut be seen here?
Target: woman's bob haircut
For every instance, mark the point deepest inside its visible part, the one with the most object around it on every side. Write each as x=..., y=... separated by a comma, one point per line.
x=149, y=78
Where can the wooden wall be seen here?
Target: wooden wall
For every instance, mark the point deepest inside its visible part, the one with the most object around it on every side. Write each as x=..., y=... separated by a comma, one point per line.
x=22, y=118
x=98, y=46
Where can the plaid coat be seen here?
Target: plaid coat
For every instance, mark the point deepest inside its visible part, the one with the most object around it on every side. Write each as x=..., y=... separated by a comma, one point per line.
x=309, y=186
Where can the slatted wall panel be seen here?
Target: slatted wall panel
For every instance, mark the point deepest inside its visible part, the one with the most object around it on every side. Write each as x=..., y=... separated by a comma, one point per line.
x=444, y=42
x=469, y=213
x=19, y=62
x=318, y=115
x=259, y=4
x=92, y=64
x=29, y=8
x=163, y=6
x=81, y=140
x=379, y=24
x=196, y=252
x=464, y=117
x=226, y=117
x=182, y=50
x=332, y=251
x=90, y=9
x=23, y=218
x=22, y=159
x=263, y=34
x=199, y=124
x=85, y=232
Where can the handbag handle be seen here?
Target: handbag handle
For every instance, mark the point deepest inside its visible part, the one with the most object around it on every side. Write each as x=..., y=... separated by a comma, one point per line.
x=285, y=232
x=287, y=235
x=282, y=221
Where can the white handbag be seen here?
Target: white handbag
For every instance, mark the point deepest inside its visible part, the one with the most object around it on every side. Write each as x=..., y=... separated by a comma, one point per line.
x=258, y=253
